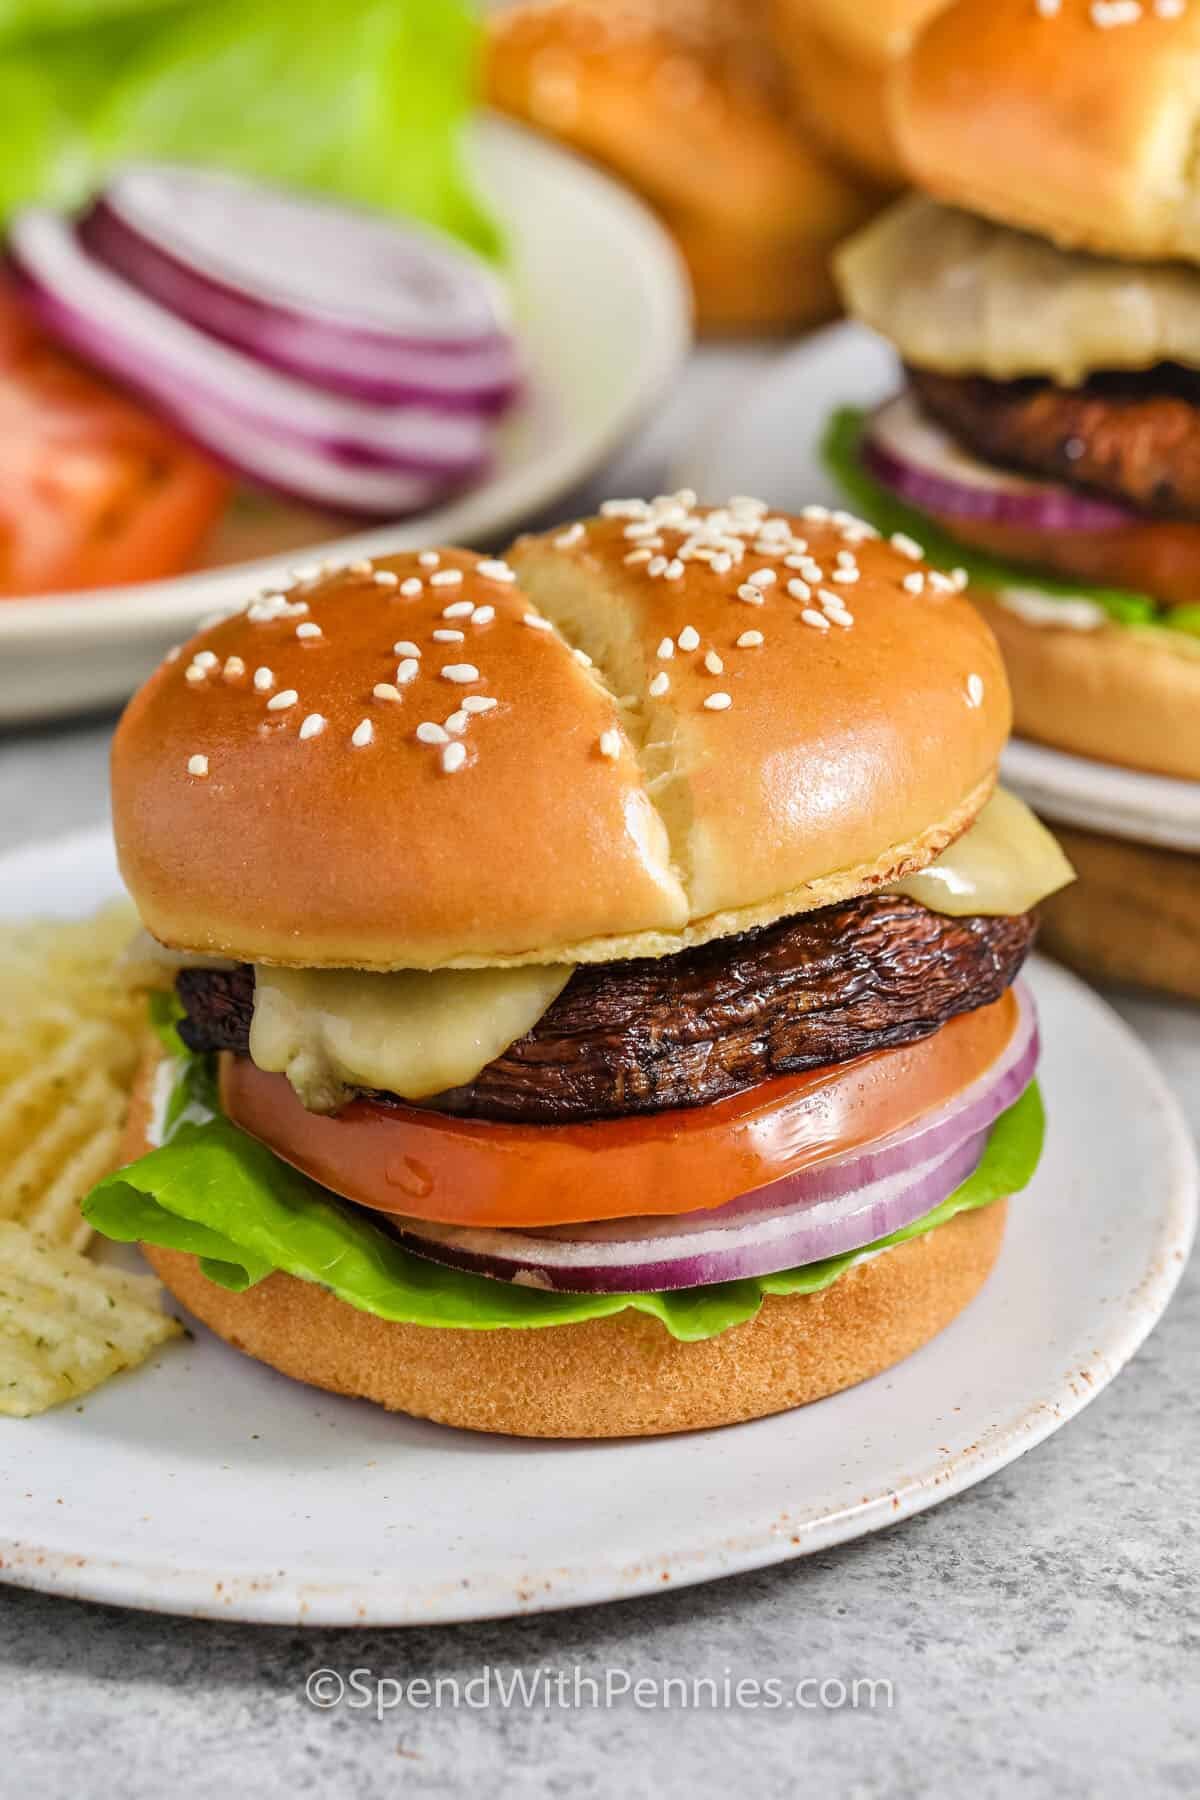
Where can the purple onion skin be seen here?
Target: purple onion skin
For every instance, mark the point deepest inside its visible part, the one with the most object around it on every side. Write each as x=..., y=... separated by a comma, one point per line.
x=941, y=495
x=864, y=1227
x=480, y=376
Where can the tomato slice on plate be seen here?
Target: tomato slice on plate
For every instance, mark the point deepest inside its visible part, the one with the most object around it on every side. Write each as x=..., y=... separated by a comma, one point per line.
x=429, y=1165
x=94, y=490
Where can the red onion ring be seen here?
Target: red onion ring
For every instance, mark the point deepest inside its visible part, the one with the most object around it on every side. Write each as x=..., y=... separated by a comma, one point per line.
x=914, y=457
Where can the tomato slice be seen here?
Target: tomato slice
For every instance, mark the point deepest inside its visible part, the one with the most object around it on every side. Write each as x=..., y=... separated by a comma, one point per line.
x=403, y=1159
x=93, y=489
x=1158, y=557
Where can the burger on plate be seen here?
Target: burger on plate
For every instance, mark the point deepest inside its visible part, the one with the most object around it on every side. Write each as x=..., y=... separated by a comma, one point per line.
x=1044, y=295
x=587, y=980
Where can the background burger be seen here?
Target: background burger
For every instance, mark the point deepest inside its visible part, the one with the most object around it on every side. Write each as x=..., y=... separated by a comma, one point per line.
x=1044, y=297
x=688, y=101
x=593, y=1005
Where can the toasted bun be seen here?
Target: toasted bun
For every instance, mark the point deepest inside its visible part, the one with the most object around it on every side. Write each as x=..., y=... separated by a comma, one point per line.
x=1121, y=693
x=623, y=1376
x=580, y=826
x=838, y=55
x=684, y=100
x=1129, y=916
x=1086, y=135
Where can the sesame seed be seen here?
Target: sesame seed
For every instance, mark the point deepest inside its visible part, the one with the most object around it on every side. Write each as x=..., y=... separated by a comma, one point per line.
x=429, y=559
x=308, y=630
x=844, y=575
x=234, y=668
x=313, y=726
x=264, y=679
x=914, y=583
x=281, y=701
x=446, y=578
x=493, y=569
x=641, y=528
x=907, y=546
x=959, y=578
x=799, y=590
x=173, y=653
x=197, y=765
x=666, y=649
x=974, y=690
x=447, y=636
x=816, y=619
x=659, y=685
x=483, y=615
x=811, y=569
x=624, y=509
x=762, y=578
x=941, y=584
x=610, y=743
x=460, y=672
x=796, y=560
x=457, y=723
x=363, y=567
x=479, y=703
x=674, y=570
x=363, y=734
x=195, y=673
x=412, y=587
x=205, y=659
x=722, y=563
x=840, y=617
x=386, y=578
x=302, y=572
x=453, y=758
x=568, y=538
x=1105, y=14
x=1170, y=9
x=638, y=556
x=537, y=624
x=718, y=702
x=845, y=559
x=405, y=647
x=458, y=609
x=656, y=566
x=749, y=594
x=1048, y=9
x=407, y=671
x=385, y=690
x=689, y=638
x=750, y=640
x=816, y=513
x=429, y=733
x=713, y=663
x=582, y=658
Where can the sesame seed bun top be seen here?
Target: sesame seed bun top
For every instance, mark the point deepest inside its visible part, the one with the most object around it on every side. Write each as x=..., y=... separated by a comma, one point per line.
x=676, y=724
x=1076, y=119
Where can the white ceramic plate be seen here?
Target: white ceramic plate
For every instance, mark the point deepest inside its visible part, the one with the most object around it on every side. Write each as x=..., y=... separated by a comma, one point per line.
x=603, y=313
x=205, y=1484
x=769, y=445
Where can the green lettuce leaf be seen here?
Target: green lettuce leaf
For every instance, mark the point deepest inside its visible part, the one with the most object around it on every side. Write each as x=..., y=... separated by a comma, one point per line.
x=840, y=450
x=215, y=1192
x=364, y=100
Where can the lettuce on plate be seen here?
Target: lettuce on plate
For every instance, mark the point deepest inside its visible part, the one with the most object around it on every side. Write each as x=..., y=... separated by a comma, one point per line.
x=364, y=100
x=215, y=1192
x=840, y=450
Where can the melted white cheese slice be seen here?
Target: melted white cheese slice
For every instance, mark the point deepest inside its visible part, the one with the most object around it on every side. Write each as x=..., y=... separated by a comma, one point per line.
x=412, y=1033
x=1005, y=863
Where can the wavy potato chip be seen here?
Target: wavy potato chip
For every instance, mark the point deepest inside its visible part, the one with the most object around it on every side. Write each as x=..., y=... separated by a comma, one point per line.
x=67, y=1324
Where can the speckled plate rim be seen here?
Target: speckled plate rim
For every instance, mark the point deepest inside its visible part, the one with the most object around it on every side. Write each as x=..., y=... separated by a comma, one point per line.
x=150, y=1583
x=768, y=444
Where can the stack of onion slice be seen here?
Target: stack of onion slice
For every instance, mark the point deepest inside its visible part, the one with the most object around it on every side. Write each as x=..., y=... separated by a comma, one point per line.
x=828, y=1209
x=335, y=355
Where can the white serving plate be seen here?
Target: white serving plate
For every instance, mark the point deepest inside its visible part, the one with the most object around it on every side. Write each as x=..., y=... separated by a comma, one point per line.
x=205, y=1484
x=603, y=312
x=769, y=445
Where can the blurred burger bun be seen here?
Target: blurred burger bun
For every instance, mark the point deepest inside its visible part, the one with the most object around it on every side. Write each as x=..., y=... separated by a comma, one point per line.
x=687, y=102
x=1130, y=914
x=838, y=56
x=1057, y=123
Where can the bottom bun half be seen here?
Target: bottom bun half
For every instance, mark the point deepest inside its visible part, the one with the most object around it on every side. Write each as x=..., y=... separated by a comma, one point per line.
x=1130, y=914
x=1114, y=693
x=623, y=1376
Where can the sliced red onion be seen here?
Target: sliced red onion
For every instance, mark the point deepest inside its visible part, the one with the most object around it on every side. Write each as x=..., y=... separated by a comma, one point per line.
x=349, y=300
x=827, y=1210
x=914, y=457
x=191, y=376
